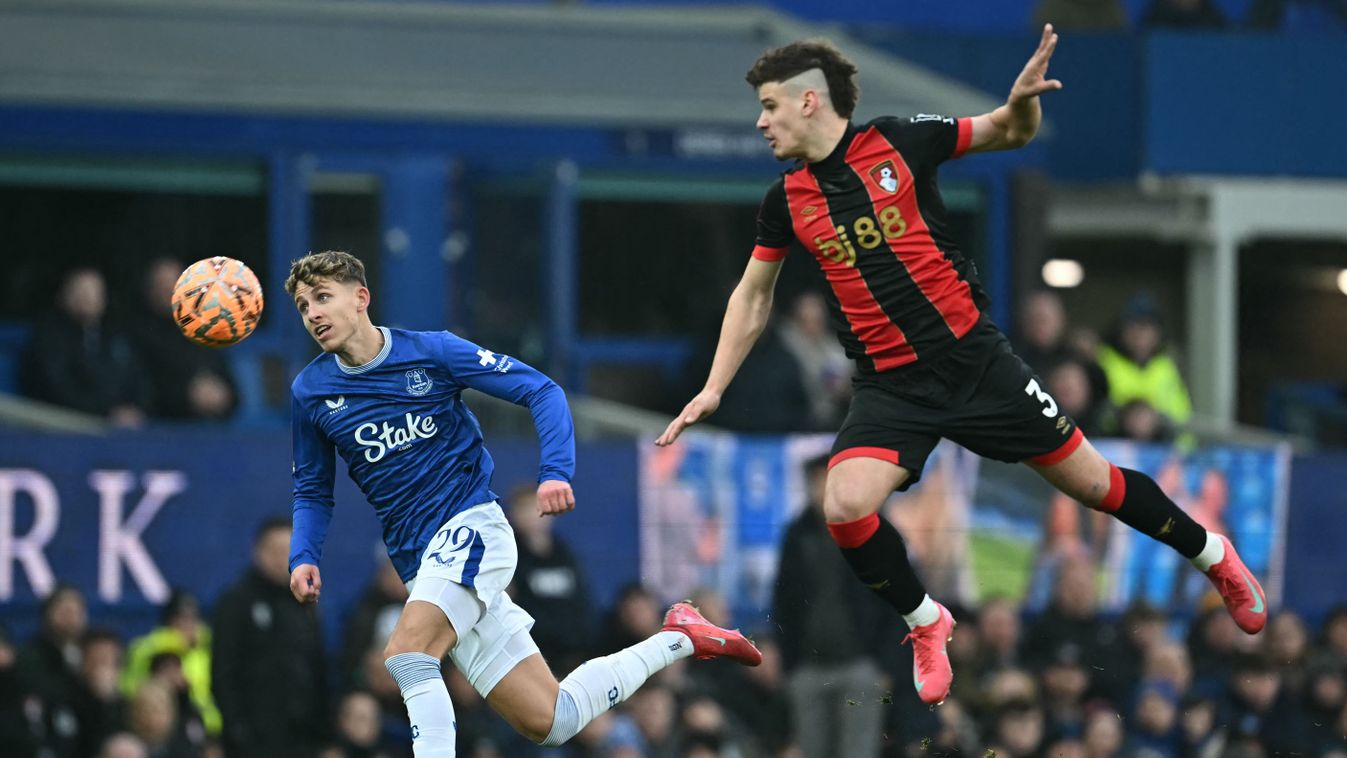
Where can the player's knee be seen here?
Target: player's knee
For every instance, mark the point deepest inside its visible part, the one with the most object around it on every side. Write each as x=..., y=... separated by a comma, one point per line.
x=847, y=504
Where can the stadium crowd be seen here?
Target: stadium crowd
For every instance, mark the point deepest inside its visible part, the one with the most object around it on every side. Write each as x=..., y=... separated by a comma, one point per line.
x=1065, y=681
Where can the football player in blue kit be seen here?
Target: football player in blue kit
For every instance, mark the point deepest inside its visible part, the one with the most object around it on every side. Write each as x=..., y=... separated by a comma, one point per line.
x=389, y=402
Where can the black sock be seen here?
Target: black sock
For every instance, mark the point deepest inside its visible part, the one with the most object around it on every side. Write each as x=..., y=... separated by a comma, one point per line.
x=1147, y=509
x=880, y=562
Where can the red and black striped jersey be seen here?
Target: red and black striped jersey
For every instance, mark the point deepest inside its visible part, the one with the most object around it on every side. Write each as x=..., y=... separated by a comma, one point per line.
x=872, y=215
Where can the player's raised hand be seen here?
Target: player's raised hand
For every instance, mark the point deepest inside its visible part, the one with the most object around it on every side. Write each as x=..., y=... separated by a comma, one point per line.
x=703, y=405
x=1033, y=80
x=555, y=497
x=306, y=583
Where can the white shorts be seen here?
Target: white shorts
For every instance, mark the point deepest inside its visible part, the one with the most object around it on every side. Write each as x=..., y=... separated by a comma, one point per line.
x=476, y=551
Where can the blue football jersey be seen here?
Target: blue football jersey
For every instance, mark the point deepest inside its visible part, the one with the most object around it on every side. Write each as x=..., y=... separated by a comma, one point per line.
x=409, y=442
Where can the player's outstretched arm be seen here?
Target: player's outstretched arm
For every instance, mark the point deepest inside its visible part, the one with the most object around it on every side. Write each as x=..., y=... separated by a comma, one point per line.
x=306, y=583
x=1015, y=123
x=745, y=318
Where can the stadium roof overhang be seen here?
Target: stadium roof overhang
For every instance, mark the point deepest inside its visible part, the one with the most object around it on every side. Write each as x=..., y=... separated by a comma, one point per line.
x=541, y=64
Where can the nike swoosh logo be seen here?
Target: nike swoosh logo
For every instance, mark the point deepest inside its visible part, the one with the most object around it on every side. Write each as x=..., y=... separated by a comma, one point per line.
x=721, y=640
x=1257, y=598
x=919, y=683
x=878, y=585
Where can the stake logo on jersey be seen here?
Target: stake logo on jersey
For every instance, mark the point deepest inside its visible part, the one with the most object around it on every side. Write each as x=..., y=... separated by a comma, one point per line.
x=381, y=441
x=409, y=442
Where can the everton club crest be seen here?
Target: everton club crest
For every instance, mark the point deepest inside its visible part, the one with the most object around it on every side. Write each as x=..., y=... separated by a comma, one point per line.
x=418, y=383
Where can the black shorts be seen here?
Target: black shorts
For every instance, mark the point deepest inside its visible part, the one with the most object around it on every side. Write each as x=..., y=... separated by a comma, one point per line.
x=979, y=395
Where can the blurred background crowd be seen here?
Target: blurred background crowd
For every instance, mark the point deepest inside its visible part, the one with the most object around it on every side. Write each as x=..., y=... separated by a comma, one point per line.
x=255, y=678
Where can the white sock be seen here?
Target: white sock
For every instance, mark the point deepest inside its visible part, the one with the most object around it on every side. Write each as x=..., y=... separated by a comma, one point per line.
x=602, y=683
x=428, y=705
x=926, y=613
x=1211, y=555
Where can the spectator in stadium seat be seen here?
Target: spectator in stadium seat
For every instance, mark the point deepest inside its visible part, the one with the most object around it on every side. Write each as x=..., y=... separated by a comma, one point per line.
x=154, y=719
x=831, y=633
x=654, y=709
x=1072, y=615
x=770, y=396
x=1142, y=629
x=824, y=367
x=99, y=705
x=190, y=728
x=1324, y=695
x=358, y=726
x=1139, y=367
x=1199, y=733
x=549, y=583
x=1020, y=729
x=1183, y=14
x=188, y=381
x=78, y=359
x=634, y=616
x=1104, y=733
x=182, y=633
x=50, y=665
x=1333, y=636
x=123, y=745
x=19, y=734
x=371, y=620
x=1154, y=726
x=1065, y=681
x=704, y=724
x=1072, y=384
x=1213, y=646
x=1085, y=15
x=267, y=668
x=1287, y=645
x=998, y=633
x=1257, y=708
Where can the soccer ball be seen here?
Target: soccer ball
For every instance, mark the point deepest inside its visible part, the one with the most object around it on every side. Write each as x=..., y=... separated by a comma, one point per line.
x=217, y=301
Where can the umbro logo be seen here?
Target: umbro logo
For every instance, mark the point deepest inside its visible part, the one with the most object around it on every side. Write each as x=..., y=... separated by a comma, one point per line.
x=809, y=210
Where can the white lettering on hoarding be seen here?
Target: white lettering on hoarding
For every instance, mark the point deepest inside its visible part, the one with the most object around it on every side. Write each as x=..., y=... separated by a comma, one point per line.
x=27, y=549
x=119, y=540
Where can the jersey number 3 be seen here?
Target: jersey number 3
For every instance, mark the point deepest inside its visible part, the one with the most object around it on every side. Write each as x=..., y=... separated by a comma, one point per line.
x=1033, y=390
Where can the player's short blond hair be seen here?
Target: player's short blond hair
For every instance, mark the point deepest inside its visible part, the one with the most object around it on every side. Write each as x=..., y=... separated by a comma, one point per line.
x=337, y=265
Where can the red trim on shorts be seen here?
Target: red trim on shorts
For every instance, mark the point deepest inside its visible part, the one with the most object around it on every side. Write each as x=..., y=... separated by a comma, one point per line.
x=771, y=254
x=965, y=137
x=1060, y=454
x=882, y=453
x=854, y=533
x=1117, y=490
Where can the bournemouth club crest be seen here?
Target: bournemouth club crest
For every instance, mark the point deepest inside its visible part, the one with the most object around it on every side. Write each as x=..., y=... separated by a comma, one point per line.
x=886, y=176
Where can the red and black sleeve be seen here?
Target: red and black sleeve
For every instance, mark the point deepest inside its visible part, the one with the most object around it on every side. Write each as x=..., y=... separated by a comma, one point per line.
x=775, y=232
x=928, y=139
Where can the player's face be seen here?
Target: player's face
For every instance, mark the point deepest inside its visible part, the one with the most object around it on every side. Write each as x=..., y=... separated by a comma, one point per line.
x=782, y=120
x=331, y=311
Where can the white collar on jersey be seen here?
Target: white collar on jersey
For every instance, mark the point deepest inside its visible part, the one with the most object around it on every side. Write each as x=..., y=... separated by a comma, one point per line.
x=374, y=362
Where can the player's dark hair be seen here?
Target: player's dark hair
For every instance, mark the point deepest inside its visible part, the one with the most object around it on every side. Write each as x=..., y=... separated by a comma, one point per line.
x=798, y=57
x=336, y=265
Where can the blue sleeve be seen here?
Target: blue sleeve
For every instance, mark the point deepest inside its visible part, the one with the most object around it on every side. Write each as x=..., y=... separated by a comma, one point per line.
x=513, y=380
x=313, y=470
